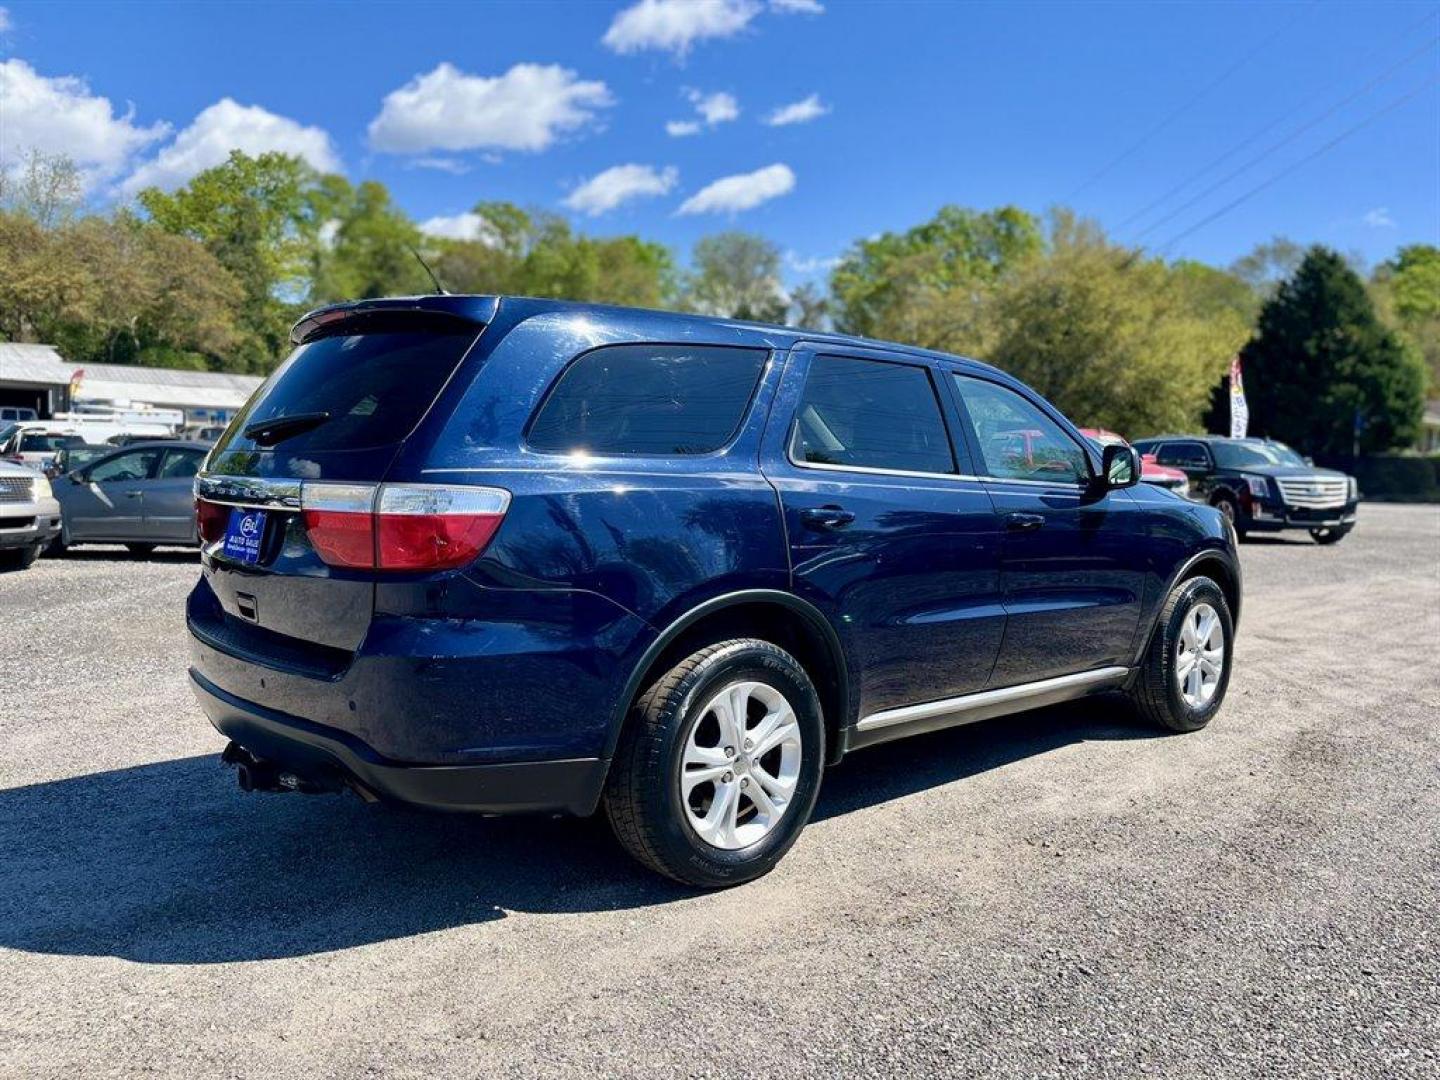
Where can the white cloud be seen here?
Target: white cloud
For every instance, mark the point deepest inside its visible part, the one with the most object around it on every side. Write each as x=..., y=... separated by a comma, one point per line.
x=812, y=264
x=61, y=116
x=1379, y=218
x=743, y=191
x=675, y=25
x=466, y=226
x=797, y=7
x=716, y=108
x=226, y=126
x=798, y=112
x=453, y=166
x=607, y=190
x=526, y=108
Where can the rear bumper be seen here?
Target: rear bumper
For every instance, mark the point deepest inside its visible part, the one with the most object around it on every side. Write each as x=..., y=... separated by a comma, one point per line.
x=311, y=750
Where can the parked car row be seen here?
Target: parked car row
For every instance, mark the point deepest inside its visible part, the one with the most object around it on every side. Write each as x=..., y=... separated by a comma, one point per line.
x=140, y=495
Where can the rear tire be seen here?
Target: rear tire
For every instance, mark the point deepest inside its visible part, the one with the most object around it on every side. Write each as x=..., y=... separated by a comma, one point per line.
x=1177, y=686
x=1328, y=536
x=140, y=549
x=707, y=801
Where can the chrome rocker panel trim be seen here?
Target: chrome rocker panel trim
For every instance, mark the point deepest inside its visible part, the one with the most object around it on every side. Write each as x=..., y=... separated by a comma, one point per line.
x=933, y=715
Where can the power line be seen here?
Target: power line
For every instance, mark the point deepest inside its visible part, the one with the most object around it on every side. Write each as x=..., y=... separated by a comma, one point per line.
x=1284, y=142
x=1233, y=203
x=1405, y=36
x=1175, y=114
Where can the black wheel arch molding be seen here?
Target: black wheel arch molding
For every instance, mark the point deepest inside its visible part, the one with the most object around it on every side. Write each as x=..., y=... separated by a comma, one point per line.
x=843, y=722
x=1233, y=594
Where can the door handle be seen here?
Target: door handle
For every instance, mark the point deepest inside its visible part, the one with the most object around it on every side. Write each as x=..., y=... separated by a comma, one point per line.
x=827, y=517
x=133, y=494
x=1023, y=522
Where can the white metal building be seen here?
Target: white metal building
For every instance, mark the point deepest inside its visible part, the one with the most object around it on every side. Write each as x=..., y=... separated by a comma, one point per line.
x=37, y=377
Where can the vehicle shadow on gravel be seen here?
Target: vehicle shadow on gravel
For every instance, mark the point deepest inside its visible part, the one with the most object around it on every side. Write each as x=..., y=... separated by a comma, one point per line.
x=119, y=554
x=168, y=863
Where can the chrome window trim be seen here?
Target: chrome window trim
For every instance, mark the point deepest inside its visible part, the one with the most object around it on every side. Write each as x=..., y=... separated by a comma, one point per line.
x=868, y=470
x=985, y=698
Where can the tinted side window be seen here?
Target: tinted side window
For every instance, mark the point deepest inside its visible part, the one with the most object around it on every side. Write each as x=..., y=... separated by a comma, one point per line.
x=870, y=414
x=649, y=399
x=179, y=464
x=1017, y=440
x=1183, y=456
x=133, y=466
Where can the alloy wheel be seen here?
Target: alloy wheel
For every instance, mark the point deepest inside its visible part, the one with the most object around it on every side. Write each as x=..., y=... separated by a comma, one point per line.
x=1200, y=656
x=740, y=765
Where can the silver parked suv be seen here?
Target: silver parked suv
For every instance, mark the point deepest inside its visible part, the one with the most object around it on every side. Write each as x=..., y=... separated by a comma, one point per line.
x=29, y=515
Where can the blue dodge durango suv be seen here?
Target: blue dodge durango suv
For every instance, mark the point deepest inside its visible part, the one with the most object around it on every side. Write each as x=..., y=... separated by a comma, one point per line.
x=502, y=554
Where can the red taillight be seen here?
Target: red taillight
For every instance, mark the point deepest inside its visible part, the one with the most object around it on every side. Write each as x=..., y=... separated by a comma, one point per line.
x=434, y=526
x=210, y=520
x=340, y=521
x=403, y=527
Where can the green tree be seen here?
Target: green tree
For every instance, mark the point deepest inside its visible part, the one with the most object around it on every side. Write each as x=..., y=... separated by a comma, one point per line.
x=933, y=284
x=1321, y=363
x=47, y=188
x=534, y=253
x=1113, y=339
x=259, y=217
x=736, y=275
x=1407, y=289
x=1268, y=264
x=365, y=246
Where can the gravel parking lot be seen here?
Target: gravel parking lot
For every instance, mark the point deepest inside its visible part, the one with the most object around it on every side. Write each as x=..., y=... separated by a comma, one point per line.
x=1064, y=893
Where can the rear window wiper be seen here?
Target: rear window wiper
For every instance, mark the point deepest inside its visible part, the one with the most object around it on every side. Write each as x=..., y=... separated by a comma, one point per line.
x=269, y=432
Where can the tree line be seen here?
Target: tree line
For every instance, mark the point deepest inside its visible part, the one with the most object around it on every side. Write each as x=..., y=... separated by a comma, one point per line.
x=212, y=275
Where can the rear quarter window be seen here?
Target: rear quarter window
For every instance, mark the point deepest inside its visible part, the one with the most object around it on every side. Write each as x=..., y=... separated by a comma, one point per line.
x=656, y=400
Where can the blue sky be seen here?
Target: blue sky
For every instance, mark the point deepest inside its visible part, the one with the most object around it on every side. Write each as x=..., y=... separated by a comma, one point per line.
x=897, y=109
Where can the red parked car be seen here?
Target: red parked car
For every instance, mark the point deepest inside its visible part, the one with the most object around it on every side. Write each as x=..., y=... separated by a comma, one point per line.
x=1150, y=471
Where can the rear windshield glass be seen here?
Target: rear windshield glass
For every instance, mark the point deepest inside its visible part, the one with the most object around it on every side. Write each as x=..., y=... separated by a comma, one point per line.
x=649, y=399
x=375, y=386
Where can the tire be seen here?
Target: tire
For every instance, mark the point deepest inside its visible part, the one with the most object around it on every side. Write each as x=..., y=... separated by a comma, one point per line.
x=1157, y=691
x=56, y=547
x=140, y=549
x=669, y=732
x=1328, y=536
x=1226, y=506
x=20, y=558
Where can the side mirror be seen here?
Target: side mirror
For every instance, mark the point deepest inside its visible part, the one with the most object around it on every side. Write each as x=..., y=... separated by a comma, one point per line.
x=1120, y=466
x=77, y=477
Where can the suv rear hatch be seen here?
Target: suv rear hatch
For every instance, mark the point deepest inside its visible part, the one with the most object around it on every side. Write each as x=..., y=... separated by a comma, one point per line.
x=287, y=500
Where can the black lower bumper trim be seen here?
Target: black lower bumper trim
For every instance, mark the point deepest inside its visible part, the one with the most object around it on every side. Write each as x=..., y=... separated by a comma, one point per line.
x=571, y=786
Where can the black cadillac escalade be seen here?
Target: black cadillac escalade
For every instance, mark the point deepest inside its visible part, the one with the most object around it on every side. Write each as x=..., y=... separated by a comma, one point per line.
x=1260, y=485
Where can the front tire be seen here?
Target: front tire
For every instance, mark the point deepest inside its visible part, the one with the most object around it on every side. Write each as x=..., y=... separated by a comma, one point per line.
x=1226, y=505
x=1328, y=536
x=1186, y=671
x=20, y=558
x=719, y=765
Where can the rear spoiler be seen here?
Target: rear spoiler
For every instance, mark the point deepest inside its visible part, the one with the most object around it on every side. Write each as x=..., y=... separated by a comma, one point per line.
x=477, y=311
